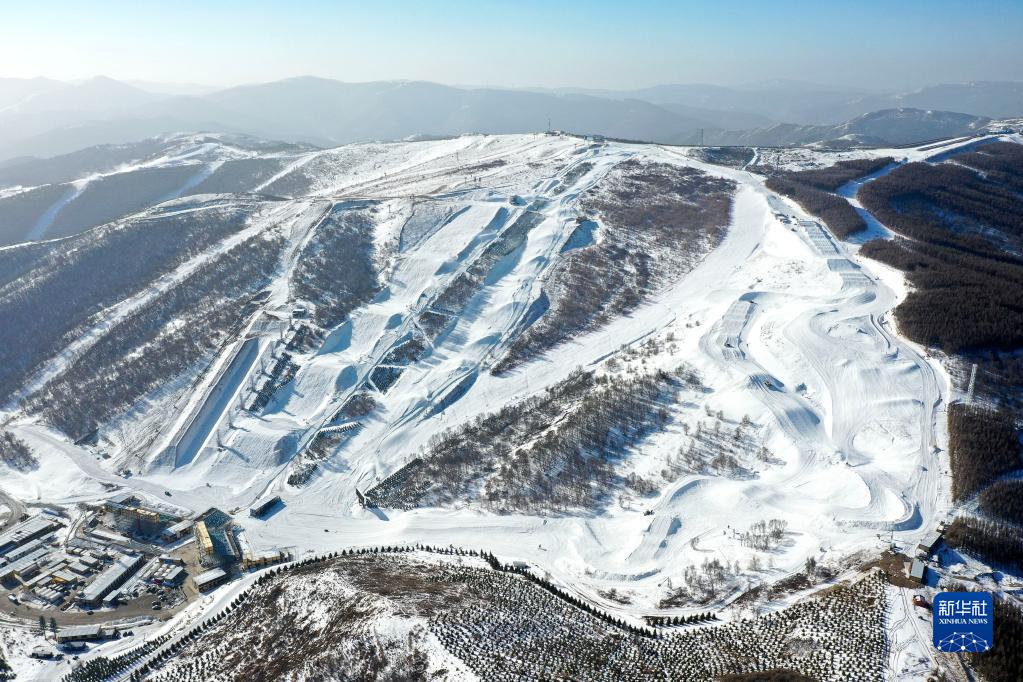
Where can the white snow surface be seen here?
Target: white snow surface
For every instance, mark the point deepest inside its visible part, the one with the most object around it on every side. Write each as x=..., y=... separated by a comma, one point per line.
x=859, y=444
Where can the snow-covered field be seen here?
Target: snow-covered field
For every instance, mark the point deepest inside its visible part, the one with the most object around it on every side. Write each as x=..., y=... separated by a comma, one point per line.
x=785, y=325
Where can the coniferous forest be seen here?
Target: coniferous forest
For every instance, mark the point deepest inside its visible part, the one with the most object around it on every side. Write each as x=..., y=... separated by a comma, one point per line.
x=1004, y=500
x=961, y=224
x=1004, y=662
x=983, y=444
x=996, y=543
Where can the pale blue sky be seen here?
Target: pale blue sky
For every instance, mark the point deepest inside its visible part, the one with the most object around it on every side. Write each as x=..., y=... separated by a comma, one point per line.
x=518, y=43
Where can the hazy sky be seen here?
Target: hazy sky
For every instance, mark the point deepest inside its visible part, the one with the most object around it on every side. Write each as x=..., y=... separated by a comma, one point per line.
x=866, y=43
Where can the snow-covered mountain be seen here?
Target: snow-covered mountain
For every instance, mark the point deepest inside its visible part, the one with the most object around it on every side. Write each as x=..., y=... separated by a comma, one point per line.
x=633, y=382
x=40, y=117
x=874, y=129
x=478, y=273
x=826, y=104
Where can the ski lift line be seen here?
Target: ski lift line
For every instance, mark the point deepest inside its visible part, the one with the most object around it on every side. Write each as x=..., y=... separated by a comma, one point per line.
x=972, y=384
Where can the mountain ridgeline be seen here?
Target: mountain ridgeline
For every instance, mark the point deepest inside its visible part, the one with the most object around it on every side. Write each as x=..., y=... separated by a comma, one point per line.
x=44, y=118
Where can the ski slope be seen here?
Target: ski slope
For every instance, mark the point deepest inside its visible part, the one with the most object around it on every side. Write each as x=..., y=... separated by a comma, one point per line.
x=785, y=324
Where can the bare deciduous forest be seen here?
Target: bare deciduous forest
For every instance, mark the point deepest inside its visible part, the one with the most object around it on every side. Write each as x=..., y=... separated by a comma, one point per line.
x=556, y=451
x=16, y=453
x=1004, y=662
x=141, y=352
x=88, y=273
x=335, y=270
x=993, y=542
x=656, y=222
x=1004, y=500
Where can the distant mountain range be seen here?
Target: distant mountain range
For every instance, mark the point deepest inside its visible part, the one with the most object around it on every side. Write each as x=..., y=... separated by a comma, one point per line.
x=813, y=104
x=43, y=117
x=876, y=129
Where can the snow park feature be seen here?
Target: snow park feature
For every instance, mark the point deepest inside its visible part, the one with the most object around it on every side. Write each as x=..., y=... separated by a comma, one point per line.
x=502, y=406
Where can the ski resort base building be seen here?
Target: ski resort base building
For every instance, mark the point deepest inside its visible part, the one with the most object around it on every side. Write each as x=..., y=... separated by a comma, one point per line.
x=261, y=509
x=81, y=633
x=210, y=579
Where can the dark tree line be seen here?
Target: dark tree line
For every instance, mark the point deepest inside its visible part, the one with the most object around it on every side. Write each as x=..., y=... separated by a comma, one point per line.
x=1004, y=501
x=554, y=451
x=993, y=542
x=143, y=352
x=384, y=377
x=335, y=271
x=837, y=213
x=668, y=621
x=1004, y=662
x=949, y=204
x=111, y=197
x=1000, y=377
x=60, y=290
x=814, y=191
x=20, y=212
x=16, y=453
x=965, y=233
x=832, y=177
x=1000, y=162
x=960, y=301
x=16, y=262
x=407, y=350
x=983, y=444
x=240, y=175
x=31, y=172
x=657, y=221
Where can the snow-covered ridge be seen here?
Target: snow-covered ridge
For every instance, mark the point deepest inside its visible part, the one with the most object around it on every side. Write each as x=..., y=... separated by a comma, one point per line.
x=787, y=328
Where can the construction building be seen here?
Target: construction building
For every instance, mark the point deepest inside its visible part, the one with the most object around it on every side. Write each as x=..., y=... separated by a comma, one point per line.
x=215, y=539
x=132, y=516
x=107, y=537
x=24, y=550
x=266, y=559
x=27, y=531
x=110, y=579
x=175, y=575
x=176, y=531
x=202, y=538
x=25, y=567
